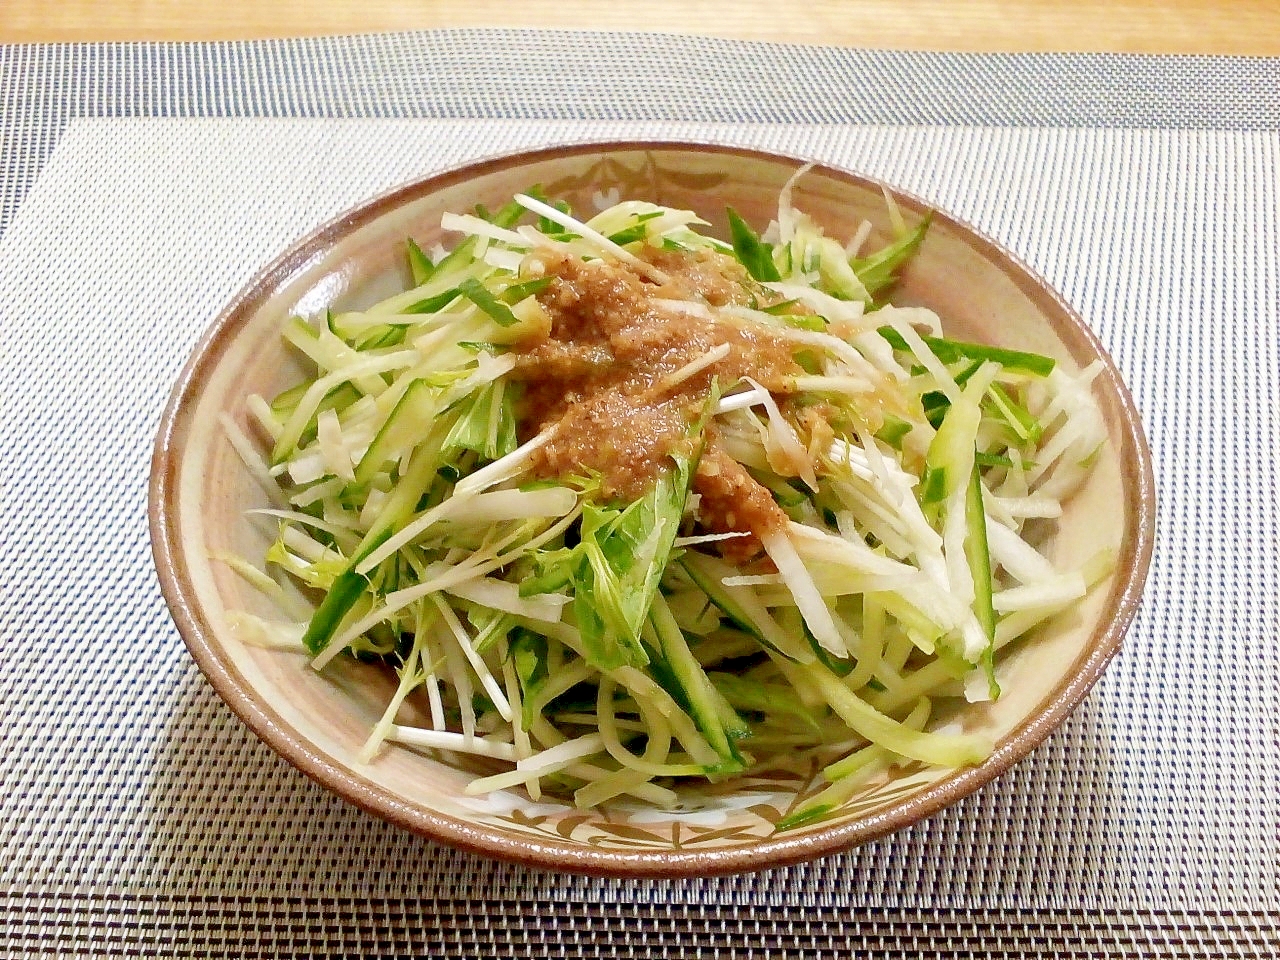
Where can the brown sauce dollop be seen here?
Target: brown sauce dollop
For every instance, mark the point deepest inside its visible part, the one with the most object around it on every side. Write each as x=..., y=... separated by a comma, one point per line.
x=599, y=374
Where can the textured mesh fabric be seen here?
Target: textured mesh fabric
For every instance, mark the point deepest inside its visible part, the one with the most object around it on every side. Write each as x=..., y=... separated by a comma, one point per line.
x=137, y=813
x=589, y=76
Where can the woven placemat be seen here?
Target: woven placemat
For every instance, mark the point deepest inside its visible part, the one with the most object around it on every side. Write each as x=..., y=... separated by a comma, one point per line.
x=141, y=185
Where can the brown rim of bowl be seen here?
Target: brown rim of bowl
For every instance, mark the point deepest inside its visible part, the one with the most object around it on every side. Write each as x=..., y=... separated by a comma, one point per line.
x=175, y=579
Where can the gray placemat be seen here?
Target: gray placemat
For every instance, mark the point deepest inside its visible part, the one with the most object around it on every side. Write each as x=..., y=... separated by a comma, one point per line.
x=141, y=185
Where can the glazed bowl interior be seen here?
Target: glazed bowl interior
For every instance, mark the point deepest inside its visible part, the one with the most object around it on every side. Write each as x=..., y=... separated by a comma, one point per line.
x=201, y=491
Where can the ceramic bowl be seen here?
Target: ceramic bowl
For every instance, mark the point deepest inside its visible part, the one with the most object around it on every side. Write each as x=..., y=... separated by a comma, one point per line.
x=318, y=721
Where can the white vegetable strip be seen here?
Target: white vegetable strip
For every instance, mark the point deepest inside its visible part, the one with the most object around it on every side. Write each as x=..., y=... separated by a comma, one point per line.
x=649, y=792
x=816, y=545
x=605, y=788
x=868, y=646
x=917, y=588
x=472, y=225
x=945, y=382
x=306, y=519
x=740, y=401
x=886, y=475
x=552, y=760
x=309, y=467
x=714, y=355
x=249, y=457
x=854, y=386
x=654, y=762
x=787, y=214
x=873, y=516
x=389, y=310
x=509, y=260
x=335, y=354
x=317, y=492
x=556, y=529
x=813, y=338
x=455, y=742
x=261, y=411
x=374, y=504
x=306, y=546
x=852, y=456
x=995, y=511
x=1014, y=485
x=437, y=343
x=548, y=761
x=504, y=596
x=810, y=602
x=481, y=508
x=337, y=458
x=849, y=312
x=491, y=687
x=1063, y=438
x=895, y=214
x=1060, y=590
x=255, y=577
x=1026, y=508
x=833, y=583
x=512, y=778
x=660, y=797
x=496, y=506
x=408, y=680
x=1014, y=625
x=519, y=736
x=422, y=628
x=1062, y=480
x=1081, y=434
x=557, y=683
x=858, y=239
x=600, y=240
x=913, y=317
x=613, y=215
x=1070, y=394
x=690, y=308
x=459, y=676
x=1022, y=561
x=504, y=468
x=878, y=351
x=709, y=538
x=488, y=369
x=755, y=580
x=794, y=456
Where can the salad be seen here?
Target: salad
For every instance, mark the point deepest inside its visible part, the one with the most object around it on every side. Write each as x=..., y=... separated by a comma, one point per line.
x=622, y=503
